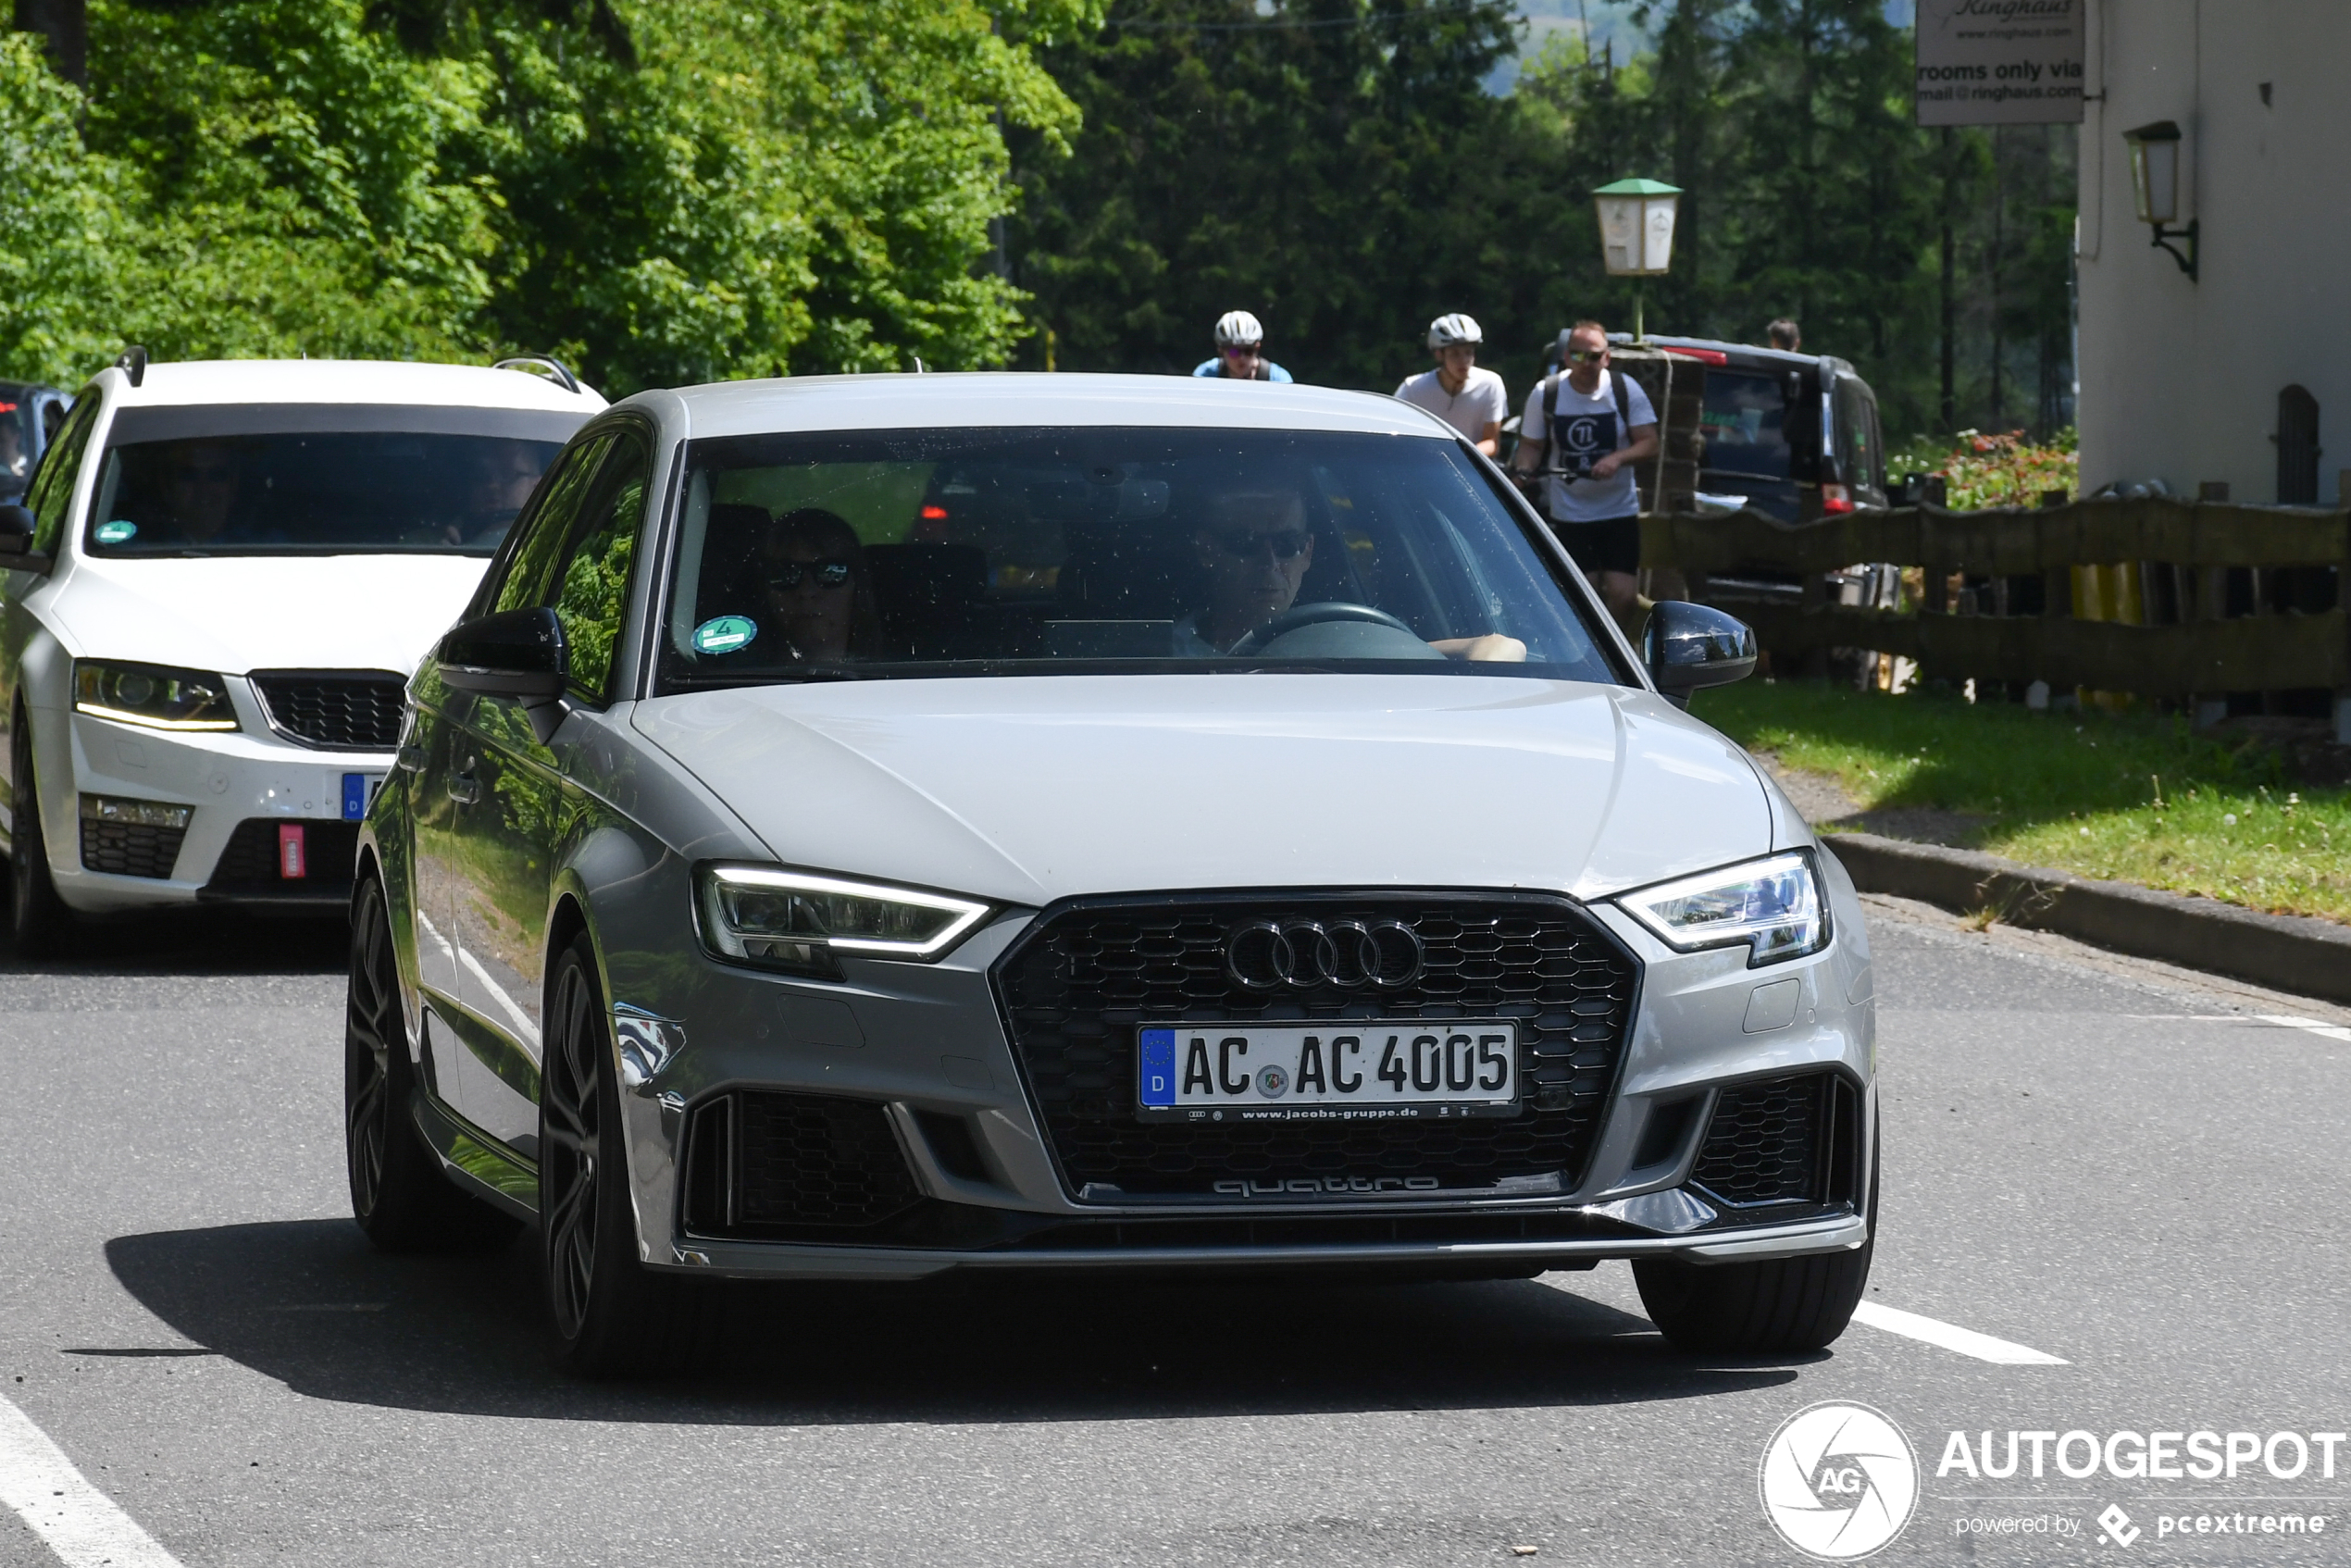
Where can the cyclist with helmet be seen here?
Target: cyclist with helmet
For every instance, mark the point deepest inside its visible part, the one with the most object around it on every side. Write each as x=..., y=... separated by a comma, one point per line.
x=1471, y=400
x=1239, y=339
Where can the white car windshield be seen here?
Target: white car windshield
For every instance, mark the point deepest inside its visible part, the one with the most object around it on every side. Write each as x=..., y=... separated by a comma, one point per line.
x=245, y=479
x=941, y=552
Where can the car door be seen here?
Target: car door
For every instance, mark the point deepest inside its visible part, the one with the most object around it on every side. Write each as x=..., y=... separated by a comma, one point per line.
x=50, y=498
x=511, y=832
x=449, y=785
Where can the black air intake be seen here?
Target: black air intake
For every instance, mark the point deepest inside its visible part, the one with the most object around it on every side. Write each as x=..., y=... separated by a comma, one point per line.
x=1782, y=1140
x=768, y=1164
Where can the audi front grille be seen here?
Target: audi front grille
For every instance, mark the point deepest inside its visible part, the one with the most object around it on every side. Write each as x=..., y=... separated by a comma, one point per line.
x=1079, y=981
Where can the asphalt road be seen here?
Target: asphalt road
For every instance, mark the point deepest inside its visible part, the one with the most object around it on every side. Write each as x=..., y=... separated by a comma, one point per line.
x=2105, y=1162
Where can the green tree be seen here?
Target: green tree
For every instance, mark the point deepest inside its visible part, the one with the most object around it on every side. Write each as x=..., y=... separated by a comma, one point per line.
x=663, y=192
x=57, y=210
x=1309, y=163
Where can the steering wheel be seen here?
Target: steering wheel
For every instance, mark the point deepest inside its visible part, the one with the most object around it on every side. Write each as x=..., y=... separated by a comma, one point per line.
x=1299, y=616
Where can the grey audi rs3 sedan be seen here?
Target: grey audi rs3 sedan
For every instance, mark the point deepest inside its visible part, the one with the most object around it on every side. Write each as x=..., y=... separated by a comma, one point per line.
x=865, y=828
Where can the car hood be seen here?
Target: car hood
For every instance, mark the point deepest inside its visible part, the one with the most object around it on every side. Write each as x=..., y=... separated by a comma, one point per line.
x=1028, y=789
x=240, y=612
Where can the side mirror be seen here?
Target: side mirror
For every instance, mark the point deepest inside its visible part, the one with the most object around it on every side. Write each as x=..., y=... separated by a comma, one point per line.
x=17, y=524
x=1689, y=646
x=519, y=655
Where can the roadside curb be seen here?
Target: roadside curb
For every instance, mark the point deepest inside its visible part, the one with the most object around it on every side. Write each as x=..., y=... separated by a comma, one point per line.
x=2292, y=953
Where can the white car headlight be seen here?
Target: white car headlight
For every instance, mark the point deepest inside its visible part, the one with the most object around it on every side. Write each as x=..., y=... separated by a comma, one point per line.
x=153, y=696
x=796, y=920
x=1773, y=905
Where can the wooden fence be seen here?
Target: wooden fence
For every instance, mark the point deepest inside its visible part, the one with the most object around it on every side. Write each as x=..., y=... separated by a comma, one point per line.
x=2185, y=556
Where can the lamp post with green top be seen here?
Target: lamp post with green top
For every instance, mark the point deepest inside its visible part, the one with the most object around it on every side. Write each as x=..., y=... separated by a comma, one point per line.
x=1636, y=233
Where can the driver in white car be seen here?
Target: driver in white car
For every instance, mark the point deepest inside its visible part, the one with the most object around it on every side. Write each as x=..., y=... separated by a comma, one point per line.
x=1254, y=551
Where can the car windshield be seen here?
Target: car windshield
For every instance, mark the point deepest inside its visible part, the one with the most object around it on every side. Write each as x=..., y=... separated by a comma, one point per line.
x=1744, y=417
x=941, y=551
x=247, y=481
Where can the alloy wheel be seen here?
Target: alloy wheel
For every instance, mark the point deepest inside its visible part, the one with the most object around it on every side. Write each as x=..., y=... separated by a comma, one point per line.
x=371, y=1028
x=569, y=1151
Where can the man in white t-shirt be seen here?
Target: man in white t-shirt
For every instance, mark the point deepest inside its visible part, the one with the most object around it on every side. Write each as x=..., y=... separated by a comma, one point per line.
x=1457, y=392
x=1584, y=430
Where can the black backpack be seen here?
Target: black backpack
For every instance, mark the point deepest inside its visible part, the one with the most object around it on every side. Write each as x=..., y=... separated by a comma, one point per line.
x=1551, y=415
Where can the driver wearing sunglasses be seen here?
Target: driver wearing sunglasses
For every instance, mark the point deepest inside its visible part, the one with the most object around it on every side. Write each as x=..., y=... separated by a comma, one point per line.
x=1254, y=551
x=814, y=569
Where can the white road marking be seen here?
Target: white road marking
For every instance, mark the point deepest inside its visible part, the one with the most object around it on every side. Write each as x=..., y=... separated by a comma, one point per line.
x=2318, y=1027
x=1950, y=1336
x=2326, y=1031
x=80, y=1523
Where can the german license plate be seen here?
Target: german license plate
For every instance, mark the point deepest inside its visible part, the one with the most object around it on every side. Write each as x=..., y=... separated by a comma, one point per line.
x=359, y=793
x=1324, y=1072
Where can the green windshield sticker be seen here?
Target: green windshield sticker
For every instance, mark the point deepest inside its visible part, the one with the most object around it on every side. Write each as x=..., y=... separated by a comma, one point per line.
x=726, y=634
x=116, y=531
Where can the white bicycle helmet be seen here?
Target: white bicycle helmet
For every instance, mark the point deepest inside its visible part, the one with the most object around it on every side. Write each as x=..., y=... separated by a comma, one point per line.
x=1447, y=330
x=1238, y=327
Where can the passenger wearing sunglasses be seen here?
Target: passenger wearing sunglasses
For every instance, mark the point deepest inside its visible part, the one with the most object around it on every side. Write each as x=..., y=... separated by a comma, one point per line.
x=1254, y=552
x=814, y=574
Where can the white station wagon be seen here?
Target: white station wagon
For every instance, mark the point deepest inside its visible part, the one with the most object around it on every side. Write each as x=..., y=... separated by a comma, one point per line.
x=212, y=594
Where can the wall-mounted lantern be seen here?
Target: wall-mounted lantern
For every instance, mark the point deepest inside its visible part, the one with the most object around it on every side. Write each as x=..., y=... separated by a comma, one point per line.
x=1636, y=231
x=2154, y=182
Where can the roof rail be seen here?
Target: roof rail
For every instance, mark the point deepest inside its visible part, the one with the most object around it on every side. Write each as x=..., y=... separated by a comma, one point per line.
x=132, y=362
x=562, y=376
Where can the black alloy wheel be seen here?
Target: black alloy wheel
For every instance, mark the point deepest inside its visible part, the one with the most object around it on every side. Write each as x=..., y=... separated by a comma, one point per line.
x=398, y=1194
x=42, y=924
x=612, y=1316
x=1778, y=1306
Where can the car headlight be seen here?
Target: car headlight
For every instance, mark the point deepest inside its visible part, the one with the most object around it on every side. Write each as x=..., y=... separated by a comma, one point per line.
x=798, y=921
x=153, y=695
x=1773, y=905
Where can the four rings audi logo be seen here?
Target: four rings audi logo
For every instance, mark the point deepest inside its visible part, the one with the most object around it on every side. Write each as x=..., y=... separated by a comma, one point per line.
x=1353, y=954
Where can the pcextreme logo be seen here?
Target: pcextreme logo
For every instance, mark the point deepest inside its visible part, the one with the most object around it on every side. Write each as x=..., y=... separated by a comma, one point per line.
x=1839, y=1481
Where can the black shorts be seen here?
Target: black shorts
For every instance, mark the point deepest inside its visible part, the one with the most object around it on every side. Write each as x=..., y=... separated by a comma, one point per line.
x=1612, y=545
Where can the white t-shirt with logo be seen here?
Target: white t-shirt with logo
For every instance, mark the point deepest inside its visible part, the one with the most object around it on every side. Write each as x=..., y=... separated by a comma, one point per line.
x=1588, y=429
x=1480, y=402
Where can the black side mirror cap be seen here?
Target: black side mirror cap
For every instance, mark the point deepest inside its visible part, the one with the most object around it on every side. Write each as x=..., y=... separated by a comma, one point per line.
x=518, y=654
x=17, y=524
x=1688, y=647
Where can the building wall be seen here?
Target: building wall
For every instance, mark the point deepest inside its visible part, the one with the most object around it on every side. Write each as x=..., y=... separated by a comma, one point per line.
x=2180, y=380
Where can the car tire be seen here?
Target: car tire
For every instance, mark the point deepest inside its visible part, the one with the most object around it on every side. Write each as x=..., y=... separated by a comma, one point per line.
x=1781, y=1306
x=42, y=924
x=398, y=1193
x=612, y=1316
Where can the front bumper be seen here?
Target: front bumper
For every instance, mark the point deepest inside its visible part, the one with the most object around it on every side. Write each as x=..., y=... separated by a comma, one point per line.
x=925, y=1047
x=761, y=1259
x=227, y=780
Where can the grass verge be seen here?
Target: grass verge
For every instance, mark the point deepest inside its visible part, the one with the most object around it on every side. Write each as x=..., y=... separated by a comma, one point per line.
x=2135, y=797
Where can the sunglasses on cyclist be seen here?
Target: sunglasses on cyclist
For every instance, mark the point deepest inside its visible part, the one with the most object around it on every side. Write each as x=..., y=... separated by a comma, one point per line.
x=827, y=574
x=1285, y=544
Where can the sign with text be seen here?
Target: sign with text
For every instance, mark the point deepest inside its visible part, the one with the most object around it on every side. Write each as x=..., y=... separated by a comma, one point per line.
x=1999, y=62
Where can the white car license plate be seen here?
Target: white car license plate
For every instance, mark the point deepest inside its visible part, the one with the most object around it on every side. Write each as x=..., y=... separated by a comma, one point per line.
x=1327, y=1072
x=359, y=793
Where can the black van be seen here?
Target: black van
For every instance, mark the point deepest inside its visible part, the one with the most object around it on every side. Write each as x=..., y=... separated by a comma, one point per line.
x=1794, y=435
